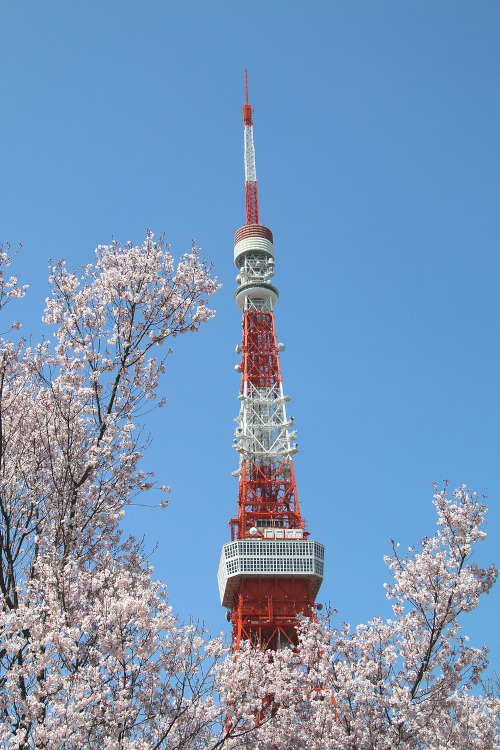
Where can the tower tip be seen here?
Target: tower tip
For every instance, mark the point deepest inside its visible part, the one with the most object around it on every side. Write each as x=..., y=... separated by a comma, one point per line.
x=247, y=108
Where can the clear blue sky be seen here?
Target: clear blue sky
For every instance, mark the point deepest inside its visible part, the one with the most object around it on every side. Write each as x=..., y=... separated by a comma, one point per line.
x=376, y=130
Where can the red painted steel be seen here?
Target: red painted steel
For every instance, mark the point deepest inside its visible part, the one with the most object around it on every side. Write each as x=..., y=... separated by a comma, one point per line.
x=251, y=230
x=252, y=203
x=265, y=609
x=247, y=108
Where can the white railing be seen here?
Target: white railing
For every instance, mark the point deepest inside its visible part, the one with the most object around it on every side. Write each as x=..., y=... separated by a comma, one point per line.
x=301, y=558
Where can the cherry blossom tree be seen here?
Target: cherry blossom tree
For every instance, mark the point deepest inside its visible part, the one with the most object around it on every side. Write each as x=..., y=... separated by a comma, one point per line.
x=90, y=652
x=91, y=655
x=409, y=682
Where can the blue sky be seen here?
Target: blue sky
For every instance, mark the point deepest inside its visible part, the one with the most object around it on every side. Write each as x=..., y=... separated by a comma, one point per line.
x=376, y=132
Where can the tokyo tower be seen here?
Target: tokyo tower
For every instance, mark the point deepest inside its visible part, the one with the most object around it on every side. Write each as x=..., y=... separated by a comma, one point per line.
x=270, y=571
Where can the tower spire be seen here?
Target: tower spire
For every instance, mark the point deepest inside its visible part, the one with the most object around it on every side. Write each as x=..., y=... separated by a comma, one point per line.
x=251, y=196
x=271, y=571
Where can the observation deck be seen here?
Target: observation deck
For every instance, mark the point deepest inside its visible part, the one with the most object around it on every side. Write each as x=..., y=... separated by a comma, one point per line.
x=266, y=558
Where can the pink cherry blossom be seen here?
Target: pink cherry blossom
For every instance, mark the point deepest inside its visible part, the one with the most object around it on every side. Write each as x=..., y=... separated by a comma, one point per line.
x=91, y=654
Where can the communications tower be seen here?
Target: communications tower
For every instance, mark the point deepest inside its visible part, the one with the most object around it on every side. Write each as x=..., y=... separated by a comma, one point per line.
x=271, y=570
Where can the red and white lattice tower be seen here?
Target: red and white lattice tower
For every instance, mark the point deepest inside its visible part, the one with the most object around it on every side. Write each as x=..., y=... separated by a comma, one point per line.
x=271, y=570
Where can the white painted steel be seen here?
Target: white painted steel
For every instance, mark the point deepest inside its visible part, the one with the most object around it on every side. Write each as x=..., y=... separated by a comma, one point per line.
x=256, y=292
x=252, y=245
x=263, y=430
x=298, y=558
x=250, y=170
x=258, y=305
x=254, y=257
x=255, y=267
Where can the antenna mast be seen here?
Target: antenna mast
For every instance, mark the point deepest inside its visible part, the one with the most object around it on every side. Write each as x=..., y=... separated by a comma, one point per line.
x=251, y=197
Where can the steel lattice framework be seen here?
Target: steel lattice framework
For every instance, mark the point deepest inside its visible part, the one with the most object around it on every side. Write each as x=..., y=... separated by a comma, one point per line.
x=271, y=571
